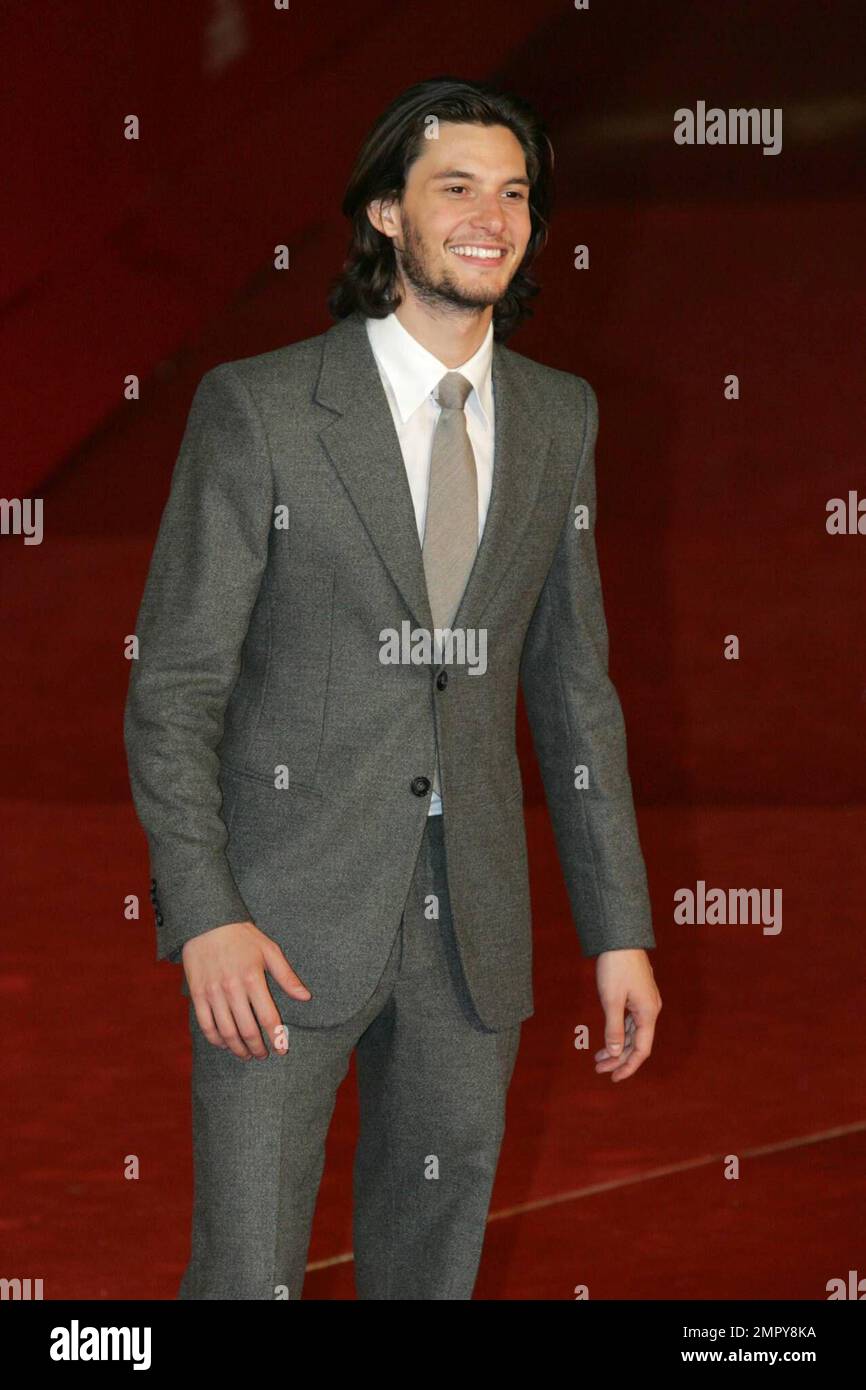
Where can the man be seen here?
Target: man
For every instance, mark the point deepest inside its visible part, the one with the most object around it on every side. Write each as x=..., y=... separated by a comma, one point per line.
x=371, y=537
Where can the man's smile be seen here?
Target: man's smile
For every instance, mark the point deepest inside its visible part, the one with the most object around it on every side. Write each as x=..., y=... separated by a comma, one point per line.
x=478, y=254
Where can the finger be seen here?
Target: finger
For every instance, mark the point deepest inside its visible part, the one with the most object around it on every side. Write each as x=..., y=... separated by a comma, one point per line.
x=614, y=1063
x=272, y=1026
x=227, y=1026
x=206, y=1023
x=640, y=1051
x=604, y=1052
x=636, y=1059
x=283, y=972
x=614, y=1025
x=246, y=1023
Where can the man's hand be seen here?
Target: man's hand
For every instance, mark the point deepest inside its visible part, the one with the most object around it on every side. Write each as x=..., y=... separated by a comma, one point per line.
x=626, y=982
x=225, y=971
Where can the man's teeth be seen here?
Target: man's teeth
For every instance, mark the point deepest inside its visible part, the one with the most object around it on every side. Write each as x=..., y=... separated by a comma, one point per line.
x=482, y=253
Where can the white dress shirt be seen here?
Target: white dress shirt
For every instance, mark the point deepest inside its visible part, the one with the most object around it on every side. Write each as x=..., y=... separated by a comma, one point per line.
x=409, y=375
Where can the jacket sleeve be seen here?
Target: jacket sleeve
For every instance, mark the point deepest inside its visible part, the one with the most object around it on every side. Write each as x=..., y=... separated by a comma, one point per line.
x=205, y=571
x=576, y=719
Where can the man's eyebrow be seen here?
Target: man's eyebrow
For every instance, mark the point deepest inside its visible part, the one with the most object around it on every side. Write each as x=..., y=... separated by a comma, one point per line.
x=465, y=174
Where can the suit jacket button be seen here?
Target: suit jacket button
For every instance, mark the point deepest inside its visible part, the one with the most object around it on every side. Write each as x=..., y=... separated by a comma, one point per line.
x=159, y=919
x=421, y=785
x=442, y=680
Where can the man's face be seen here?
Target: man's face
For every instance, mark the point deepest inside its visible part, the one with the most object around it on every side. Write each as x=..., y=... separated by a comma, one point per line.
x=462, y=229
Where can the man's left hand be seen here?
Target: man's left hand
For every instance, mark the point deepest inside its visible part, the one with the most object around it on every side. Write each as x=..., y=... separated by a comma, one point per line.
x=631, y=1002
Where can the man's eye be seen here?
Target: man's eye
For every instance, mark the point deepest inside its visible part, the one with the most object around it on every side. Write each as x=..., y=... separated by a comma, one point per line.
x=461, y=187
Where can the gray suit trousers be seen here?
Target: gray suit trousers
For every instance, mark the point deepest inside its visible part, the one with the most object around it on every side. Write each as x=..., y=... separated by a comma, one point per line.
x=432, y=1084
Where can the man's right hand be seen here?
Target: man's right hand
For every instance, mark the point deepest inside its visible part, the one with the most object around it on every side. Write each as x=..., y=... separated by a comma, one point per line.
x=225, y=971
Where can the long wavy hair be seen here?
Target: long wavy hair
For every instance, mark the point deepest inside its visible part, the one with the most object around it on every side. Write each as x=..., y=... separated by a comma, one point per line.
x=368, y=281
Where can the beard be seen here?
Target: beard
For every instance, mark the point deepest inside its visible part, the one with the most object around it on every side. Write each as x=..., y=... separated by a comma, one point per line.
x=440, y=289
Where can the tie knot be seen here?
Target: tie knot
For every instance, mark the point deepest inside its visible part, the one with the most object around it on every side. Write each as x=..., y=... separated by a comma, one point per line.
x=452, y=391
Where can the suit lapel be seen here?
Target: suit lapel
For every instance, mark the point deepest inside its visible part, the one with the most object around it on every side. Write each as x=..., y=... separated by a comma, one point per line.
x=363, y=447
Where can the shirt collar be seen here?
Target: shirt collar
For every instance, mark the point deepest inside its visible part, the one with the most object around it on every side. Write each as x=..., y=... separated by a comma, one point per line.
x=413, y=372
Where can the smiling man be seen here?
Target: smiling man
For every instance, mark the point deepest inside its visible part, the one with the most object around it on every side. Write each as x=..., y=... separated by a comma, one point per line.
x=336, y=836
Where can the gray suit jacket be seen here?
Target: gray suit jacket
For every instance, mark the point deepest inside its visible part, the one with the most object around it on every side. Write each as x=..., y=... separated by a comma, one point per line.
x=260, y=645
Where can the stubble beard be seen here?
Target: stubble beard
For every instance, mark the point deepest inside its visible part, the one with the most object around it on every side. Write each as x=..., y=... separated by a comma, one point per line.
x=440, y=291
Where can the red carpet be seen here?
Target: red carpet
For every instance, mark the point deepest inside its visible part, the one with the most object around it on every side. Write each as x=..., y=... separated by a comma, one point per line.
x=621, y=1187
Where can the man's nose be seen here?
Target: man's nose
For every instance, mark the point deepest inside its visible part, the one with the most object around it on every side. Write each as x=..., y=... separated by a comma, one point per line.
x=489, y=213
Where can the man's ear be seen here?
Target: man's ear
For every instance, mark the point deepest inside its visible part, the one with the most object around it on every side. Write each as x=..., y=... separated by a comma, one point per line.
x=381, y=213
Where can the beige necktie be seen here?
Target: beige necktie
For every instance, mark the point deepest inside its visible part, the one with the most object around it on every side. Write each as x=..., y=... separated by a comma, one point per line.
x=451, y=523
